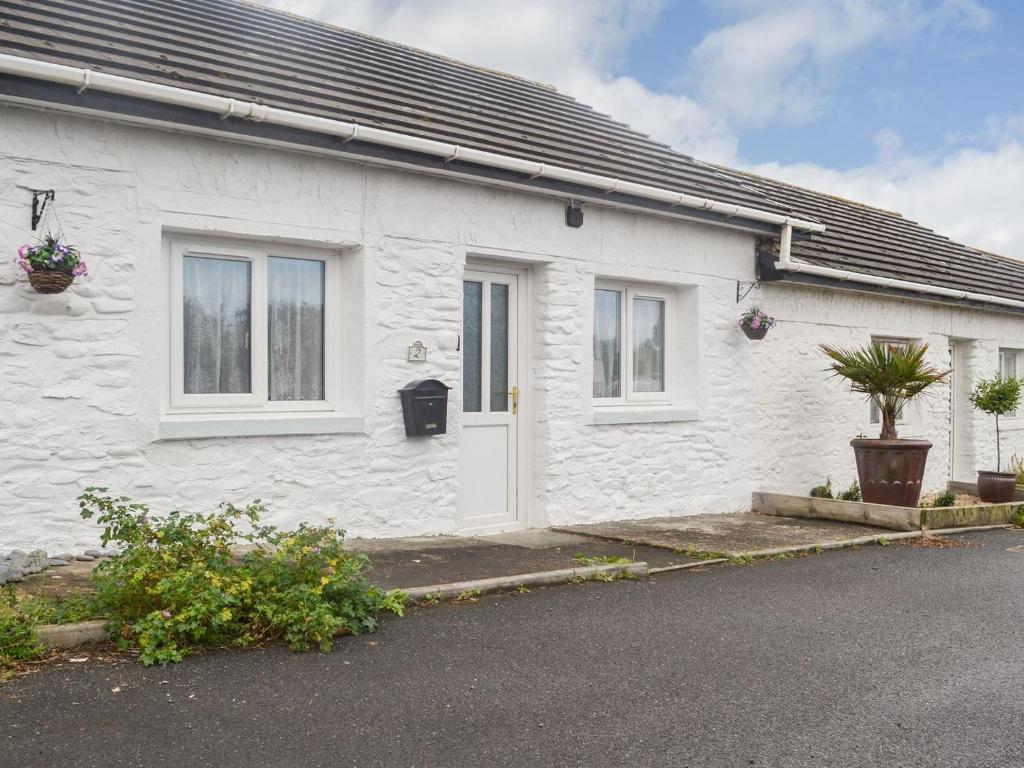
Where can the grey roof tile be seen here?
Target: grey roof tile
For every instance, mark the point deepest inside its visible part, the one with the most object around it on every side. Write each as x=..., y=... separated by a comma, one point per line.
x=249, y=52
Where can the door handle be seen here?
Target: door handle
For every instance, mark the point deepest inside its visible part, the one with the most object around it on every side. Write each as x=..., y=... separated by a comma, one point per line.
x=515, y=400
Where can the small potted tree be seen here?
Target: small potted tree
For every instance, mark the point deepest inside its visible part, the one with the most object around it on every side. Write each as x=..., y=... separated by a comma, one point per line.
x=997, y=397
x=890, y=376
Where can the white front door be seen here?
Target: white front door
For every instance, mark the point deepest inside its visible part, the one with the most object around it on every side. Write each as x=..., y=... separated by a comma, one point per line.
x=488, y=498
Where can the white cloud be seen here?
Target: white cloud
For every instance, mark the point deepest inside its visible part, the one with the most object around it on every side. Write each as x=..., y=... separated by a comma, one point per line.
x=780, y=59
x=769, y=61
x=774, y=63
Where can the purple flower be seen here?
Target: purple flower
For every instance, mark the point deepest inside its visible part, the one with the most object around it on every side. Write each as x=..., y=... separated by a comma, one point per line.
x=756, y=322
x=166, y=614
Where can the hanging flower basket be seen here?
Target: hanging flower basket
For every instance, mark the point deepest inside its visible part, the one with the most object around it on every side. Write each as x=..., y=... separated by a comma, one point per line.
x=51, y=281
x=755, y=323
x=51, y=265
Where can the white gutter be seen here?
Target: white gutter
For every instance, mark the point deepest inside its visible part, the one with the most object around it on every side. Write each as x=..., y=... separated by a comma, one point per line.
x=786, y=264
x=85, y=79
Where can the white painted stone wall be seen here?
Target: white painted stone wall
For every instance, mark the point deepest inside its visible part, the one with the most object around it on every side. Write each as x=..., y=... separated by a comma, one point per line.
x=81, y=374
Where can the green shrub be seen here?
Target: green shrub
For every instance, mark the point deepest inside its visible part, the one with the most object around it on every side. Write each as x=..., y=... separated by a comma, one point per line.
x=178, y=584
x=17, y=634
x=945, y=499
x=852, y=493
x=823, y=491
x=1018, y=516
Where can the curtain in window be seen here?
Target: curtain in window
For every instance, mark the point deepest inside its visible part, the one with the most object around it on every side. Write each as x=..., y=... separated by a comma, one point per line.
x=1008, y=369
x=607, y=343
x=648, y=345
x=295, y=299
x=217, y=319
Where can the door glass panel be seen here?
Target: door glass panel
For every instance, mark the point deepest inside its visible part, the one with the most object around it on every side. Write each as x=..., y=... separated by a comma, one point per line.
x=472, y=344
x=217, y=315
x=499, y=347
x=295, y=298
x=607, y=343
x=648, y=345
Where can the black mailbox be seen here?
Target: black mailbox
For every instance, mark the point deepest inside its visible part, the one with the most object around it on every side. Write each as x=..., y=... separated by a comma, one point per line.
x=425, y=407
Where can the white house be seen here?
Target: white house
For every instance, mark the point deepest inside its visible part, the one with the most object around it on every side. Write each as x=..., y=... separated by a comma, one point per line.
x=286, y=223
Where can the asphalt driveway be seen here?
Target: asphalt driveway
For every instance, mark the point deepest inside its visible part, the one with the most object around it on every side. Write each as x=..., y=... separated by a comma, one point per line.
x=884, y=656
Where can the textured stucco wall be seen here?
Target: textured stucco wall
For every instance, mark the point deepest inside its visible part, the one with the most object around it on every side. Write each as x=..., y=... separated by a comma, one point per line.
x=82, y=373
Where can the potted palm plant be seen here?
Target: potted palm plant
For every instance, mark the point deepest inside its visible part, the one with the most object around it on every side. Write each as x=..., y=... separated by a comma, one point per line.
x=890, y=376
x=997, y=397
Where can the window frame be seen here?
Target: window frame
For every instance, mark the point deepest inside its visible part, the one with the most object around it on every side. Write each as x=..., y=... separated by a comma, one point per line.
x=257, y=401
x=874, y=413
x=628, y=292
x=1016, y=353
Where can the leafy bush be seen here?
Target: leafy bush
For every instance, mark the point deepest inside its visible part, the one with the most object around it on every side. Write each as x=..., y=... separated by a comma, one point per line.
x=945, y=499
x=17, y=634
x=178, y=583
x=823, y=491
x=1018, y=517
x=852, y=493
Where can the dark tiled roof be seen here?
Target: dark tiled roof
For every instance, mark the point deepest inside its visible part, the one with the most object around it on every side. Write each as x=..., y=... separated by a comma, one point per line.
x=869, y=240
x=253, y=53
x=258, y=54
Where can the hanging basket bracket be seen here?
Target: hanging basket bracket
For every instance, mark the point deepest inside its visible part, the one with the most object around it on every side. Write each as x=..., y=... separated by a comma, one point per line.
x=40, y=198
x=743, y=289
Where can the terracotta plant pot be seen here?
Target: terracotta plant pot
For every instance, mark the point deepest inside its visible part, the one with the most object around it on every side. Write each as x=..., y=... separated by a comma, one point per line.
x=50, y=282
x=996, y=487
x=890, y=471
x=756, y=335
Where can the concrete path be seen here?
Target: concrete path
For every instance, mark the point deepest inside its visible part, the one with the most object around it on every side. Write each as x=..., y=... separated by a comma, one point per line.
x=410, y=563
x=416, y=562
x=730, y=535
x=905, y=655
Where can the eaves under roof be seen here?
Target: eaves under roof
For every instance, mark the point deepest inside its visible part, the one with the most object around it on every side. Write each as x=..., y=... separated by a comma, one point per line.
x=251, y=53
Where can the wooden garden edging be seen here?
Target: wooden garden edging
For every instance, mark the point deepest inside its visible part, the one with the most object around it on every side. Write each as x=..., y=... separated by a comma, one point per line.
x=882, y=515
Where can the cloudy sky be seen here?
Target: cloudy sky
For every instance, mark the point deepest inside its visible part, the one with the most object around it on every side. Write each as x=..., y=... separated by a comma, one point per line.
x=912, y=105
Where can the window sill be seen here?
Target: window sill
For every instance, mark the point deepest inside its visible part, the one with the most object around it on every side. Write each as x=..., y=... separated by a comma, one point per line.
x=642, y=414
x=194, y=426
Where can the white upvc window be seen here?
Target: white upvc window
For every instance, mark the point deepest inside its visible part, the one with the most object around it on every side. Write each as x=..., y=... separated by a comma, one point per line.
x=875, y=416
x=631, y=339
x=254, y=328
x=1009, y=366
